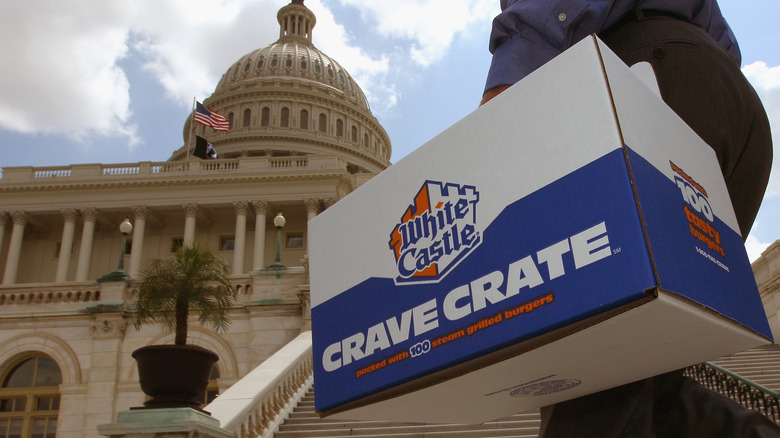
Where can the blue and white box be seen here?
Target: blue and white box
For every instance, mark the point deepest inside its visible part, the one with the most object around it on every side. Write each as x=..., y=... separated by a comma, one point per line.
x=569, y=236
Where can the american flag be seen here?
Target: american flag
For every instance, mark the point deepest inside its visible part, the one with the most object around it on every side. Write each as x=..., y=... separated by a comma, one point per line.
x=207, y=117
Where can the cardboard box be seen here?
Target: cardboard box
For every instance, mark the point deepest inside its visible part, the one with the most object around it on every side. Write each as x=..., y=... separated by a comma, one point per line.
x=570, y=236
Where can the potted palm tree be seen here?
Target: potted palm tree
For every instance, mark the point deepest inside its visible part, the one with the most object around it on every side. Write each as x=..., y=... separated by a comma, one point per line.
x=194, y=279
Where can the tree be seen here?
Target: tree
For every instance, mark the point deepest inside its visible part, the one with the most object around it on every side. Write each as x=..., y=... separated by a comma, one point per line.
x=195, y=279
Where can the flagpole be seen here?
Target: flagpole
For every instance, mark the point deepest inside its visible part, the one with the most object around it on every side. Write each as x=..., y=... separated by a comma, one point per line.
x=189, y=132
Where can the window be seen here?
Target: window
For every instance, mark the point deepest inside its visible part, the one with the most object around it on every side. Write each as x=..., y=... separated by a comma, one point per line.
x=227, y=243
x=304, y=119
x=323, y=123
x=293, y=239
x=176, y=243
x=285, y=117
x=354, y=134
x=339, y=127
x=30, y=399
x=265, y=117
x=230, y=120
x=247, y=117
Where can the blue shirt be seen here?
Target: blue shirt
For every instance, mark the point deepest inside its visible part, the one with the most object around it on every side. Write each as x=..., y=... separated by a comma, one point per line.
x=528, y=33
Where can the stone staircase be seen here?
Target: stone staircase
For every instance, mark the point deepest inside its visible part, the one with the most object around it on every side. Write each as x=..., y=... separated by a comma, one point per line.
x=761, y=365
x=304, y=422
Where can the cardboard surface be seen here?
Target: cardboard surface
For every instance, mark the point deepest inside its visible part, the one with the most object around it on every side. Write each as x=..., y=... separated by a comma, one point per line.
x=569, y=236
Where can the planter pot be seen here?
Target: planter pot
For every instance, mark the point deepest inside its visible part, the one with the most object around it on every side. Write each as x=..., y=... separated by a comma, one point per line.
x=174, y=376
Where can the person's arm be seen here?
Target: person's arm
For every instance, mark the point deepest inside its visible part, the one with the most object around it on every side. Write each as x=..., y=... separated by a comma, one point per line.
x=524, y=36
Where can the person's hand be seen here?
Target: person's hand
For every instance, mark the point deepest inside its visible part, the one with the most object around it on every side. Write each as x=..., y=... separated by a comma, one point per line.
x=493, y=92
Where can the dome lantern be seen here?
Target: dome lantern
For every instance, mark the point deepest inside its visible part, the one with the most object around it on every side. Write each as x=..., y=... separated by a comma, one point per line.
x=296, y=21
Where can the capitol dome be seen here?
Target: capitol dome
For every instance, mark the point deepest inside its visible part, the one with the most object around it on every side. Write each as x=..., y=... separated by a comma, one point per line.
x=290, y=99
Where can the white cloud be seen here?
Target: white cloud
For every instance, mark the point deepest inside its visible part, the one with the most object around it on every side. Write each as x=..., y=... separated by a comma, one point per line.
x=68, y=56
x=430, y=24
x=766, y=81
x=61, y=73
x=755, y=247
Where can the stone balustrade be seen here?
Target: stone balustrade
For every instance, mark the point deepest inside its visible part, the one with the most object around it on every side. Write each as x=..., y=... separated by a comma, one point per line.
x=256, y=405
x=43, y=298
x=166, y=169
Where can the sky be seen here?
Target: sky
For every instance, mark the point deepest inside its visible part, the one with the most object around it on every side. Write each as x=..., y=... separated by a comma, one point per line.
x=96, y=81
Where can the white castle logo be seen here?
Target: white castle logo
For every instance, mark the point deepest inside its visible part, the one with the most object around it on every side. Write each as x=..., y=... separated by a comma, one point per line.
x=436, y=232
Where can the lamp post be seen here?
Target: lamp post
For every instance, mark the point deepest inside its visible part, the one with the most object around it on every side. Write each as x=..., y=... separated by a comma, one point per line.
x=125, y=228
x=279, y=222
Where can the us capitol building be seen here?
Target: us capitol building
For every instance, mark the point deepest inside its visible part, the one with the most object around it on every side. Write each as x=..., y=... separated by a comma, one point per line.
x=301, y=137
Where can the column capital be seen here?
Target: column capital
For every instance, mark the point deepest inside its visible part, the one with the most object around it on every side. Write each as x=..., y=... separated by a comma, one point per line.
x=70, y=214
x=241, y=207
x=19, y=217
x=312, y=206
x=3, y=219
x=89, y=214
x=329, y=202
x=190, y=209
x=140, y=211
x=261, y=207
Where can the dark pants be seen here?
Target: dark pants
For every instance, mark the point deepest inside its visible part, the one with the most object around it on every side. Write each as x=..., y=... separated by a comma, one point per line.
x=704, y=86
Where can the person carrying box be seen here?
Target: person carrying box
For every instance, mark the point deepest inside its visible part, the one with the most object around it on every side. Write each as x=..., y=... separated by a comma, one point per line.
x=696, y=60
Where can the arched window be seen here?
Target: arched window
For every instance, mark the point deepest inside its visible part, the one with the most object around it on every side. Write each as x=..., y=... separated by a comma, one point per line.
x=339, y=127
x=304, y=119
x=265, y=117
x=247, y=117
x=353, y=135
x=285, y=117
x=230, y=120
x=30, y=399
x=365, y=140
x=323, y=123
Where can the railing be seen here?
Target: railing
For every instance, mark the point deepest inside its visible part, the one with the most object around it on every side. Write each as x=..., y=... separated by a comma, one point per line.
x=147, y=169
x=49, y=293
x=256, y=405
x=749, y=394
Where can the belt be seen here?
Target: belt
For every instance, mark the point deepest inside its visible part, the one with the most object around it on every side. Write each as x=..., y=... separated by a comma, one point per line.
x=636, y=16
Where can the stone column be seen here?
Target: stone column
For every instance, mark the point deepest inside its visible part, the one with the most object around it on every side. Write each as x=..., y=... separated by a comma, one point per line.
x=312, y=210
x=239, y=243
x=139, y=224
x=66, y=244
x=87, y=235
x=3, y=223
x=191, y=210
x=261, y=210
x=15, y=247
